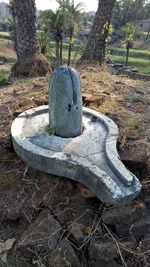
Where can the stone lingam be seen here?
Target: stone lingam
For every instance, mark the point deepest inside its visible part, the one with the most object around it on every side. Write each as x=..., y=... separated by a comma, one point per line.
x=65, y=140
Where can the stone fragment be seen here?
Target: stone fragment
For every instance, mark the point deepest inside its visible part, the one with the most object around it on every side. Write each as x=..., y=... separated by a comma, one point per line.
x=105, y=249
x=64, y=256
x=65, y=102
x=105, y=264
x=141, y=227
x=135, y=159
x=77, y=232
x=43, y=234
x=126, y=215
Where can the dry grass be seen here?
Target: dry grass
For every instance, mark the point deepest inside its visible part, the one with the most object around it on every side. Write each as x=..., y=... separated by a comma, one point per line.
x=131, y=117
x=6, y=49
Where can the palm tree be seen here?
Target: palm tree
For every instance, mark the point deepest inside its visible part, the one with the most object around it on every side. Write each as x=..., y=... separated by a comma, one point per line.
x=74, y=14
x=56, y=23
x=95, y=48
x=30, y=61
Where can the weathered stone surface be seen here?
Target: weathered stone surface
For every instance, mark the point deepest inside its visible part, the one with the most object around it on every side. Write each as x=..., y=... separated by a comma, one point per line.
x=64, y=256
x=65, y=102
x=77, y=231
x=141, y=227
x=105, y=264
x=43, y=234
x=105, y=249
x=126, y=215
x=90, y=158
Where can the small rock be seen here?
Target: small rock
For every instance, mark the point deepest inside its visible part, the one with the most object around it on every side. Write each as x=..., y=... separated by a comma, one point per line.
x=64, y=256
x=85, y=192
x=125, y=215
x=135, y=159
x=106, y=264
x=105, y=249
x=77, y=232
x=141, y=227
x=44, y=234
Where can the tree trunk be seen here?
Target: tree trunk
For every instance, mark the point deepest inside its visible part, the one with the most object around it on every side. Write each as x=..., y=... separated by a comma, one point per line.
x=69, y=52
x=71, y=30
x=13, y=13
x=61, y=49
x=148, y=33
x=95, y=48
x=30, y=61
x=127, y=54
x=57, y=53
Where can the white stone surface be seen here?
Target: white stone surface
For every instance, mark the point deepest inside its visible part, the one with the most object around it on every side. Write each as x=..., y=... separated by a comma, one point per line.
x=90, y=158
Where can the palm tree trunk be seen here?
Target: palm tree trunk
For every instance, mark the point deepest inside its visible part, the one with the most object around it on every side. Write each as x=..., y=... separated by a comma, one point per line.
x=95, y=49
x=69, y=52
x=13, y=13
x=57, y=53
x=127, y=53
x=30, y=61
x=61, y=49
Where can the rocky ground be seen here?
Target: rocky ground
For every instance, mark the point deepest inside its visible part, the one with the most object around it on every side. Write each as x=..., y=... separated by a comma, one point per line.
x=51, y=221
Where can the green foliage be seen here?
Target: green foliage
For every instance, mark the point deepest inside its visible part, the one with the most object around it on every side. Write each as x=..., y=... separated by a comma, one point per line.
x=50, y=130
x=12, y=26
x=130, y=11
x=135, y=98
x=145, y=54
x=3, y=79
x=44, y=42
x=142, y=65
x=62, y=22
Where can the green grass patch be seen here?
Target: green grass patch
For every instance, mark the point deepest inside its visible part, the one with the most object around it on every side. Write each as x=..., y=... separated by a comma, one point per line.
x=3, y=79
x=135, y=98
x=50, y=130
x=142, y=65
x=4, y=33
x=145, y=54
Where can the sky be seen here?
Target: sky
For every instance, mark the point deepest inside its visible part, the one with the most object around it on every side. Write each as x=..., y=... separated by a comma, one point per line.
x=90, y=5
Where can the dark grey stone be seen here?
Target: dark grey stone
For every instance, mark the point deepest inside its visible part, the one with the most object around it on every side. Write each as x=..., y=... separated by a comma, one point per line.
x=65, y=102
x=64, y=256
x=42, y=235
x=105, y=249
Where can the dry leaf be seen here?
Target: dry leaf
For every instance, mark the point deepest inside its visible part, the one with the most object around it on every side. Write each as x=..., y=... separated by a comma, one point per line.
x=87, y=230
x=7, y=245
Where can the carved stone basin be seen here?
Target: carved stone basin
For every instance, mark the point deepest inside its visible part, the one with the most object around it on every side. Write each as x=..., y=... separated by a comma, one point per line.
x=90, y=158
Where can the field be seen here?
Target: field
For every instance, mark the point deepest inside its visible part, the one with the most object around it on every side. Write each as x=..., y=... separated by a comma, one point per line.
x=142, y=65
x=133, y=53
x=4, y=33
x=139, y=59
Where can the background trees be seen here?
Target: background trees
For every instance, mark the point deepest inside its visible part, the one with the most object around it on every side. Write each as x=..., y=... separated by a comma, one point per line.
x=30, y=62
x=60, y=23
x=95, y=49
x=68, y=22
x=130, y=11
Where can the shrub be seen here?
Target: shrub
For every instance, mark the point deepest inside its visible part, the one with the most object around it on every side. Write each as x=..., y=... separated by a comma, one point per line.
x=3, y=79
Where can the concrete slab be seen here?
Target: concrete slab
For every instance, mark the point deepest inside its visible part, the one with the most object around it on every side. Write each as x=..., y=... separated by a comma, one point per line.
x=90, y=158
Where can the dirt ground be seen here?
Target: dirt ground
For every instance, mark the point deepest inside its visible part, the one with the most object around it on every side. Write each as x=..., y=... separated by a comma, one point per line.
x=25, y=194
